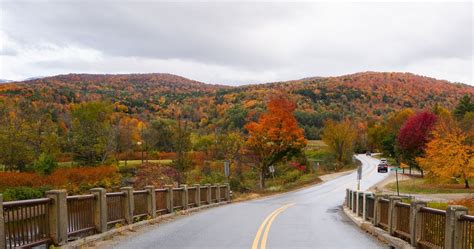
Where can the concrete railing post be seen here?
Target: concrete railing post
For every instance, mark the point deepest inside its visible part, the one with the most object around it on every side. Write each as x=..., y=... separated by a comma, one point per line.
x=151, y=201
x=364, y=205
x=2, y=225
x=169, y=198
x=209, y=192
x=227, y=194
x=100, y=209
x=415, y=218
x=392, y=214
x=198, y=194
x=349, y=205
x=58, y=216
x=376, y=219
x=348, y=200
x=184, y=195
x=453, y=236
x=128, y=204
x=357, y=203
x=218, y=192
x=354, y=201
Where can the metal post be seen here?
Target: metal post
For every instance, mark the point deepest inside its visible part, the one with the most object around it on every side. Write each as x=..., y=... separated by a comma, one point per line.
x=415, y=218
x=453, y=236
x=151, y=201
x=184, y=195
x=2, y=225
x=100, y=209
x=198, y=194
x=58, y=222
x=169, y=198
x=128, y=204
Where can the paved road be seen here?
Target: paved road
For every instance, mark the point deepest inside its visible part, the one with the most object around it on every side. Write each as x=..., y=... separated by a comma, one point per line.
x=307, y=218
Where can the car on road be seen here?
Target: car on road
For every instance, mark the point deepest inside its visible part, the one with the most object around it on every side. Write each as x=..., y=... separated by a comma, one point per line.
x=368, y=153
x=383, y=160
x=382, y=168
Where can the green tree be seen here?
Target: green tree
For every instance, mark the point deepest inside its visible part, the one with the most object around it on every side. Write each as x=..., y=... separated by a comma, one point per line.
x=340, y=138
x=159, y=135
x=91, y=132
x=465, y=105
x=181, y=145
x=45, y=164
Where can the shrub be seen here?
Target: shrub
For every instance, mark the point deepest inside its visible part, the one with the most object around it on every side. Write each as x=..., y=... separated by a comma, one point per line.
x=45, y=164
x=17, y=179
x=22, y=193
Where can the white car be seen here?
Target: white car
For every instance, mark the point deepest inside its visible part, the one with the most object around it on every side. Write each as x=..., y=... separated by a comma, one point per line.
x=383, y=161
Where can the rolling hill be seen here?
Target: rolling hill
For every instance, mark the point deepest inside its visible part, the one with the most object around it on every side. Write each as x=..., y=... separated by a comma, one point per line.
x=360, y=96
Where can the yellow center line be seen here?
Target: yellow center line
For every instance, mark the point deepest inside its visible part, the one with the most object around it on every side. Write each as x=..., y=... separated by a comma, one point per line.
x=268, y=220
x=267, y=229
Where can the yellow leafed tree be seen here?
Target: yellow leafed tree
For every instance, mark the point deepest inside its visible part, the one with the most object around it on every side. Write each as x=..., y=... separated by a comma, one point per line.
x=449, y=154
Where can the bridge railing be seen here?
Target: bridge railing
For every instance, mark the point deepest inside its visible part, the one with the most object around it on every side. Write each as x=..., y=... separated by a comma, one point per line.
x=414, y=222
x=59, y=218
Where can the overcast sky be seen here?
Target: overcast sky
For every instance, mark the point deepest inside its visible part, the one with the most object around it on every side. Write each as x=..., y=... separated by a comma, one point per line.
x=235, y=43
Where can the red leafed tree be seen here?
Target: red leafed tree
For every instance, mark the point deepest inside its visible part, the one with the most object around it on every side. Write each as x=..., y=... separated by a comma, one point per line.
x=275, y=136
x=414, y=135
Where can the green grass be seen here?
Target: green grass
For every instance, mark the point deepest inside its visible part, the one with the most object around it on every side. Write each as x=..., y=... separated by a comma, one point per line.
x=121, y=163
x=423, y=186
x=139, y=162
x=315, y=145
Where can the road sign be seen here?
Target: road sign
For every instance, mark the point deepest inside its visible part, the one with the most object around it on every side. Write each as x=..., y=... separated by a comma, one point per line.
x=271, y=169
x=227, y=168
x=396, y=169
x=359, y=172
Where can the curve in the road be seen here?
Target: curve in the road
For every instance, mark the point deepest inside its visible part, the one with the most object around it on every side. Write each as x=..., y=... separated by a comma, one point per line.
x=314, y=221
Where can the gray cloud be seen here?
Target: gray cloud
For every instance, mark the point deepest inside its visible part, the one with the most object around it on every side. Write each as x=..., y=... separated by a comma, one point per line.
x=236, y=43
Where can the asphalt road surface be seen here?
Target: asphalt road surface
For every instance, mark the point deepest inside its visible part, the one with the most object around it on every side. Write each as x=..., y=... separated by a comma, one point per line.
x=307, y=218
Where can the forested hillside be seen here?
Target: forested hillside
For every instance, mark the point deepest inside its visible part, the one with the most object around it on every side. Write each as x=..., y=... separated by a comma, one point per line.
x=362, y=96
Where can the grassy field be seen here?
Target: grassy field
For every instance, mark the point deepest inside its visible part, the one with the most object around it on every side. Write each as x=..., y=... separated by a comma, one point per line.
x=315, y=145
x=424, y=186
x=121, y=163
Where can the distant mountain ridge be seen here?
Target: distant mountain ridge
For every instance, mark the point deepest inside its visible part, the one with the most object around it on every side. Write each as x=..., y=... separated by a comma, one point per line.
x=360, y=96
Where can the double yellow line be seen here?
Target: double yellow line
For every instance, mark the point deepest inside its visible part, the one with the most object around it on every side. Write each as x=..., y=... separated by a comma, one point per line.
x=267, y=223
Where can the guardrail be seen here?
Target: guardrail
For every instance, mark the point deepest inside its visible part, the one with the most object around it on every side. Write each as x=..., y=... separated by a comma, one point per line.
x=59, y=218
x=414, y=222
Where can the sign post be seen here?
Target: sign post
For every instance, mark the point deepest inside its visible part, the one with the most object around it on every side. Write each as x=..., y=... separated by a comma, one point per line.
x=227, y=169
x=359, y=176
x=272, y=170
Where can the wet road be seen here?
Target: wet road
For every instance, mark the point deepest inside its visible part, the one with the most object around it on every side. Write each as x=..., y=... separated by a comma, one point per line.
x=307, y=218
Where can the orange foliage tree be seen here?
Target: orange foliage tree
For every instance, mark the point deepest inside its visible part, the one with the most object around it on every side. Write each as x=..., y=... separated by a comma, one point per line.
x=449, y=154
x=275, y=136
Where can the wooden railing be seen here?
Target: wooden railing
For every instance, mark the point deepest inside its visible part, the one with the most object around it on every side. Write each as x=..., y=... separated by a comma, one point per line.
x=432, y=228
x=161, y=201
x=204, y=195
x=192, y=191
x=140, y=204
x=467, y=231
x=414, y=222
x=402, y=221
x=31, y=214
x=80, y=215
x=115, y=212
x=370, y=203
x=383, y=213
x=60, y=218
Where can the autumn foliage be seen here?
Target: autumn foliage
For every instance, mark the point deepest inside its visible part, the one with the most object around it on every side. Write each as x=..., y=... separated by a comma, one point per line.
x=74, y=180
x=275, y=136
x=449, y=154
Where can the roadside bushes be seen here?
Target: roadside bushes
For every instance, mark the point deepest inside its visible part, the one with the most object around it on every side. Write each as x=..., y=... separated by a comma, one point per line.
x=75, y=180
